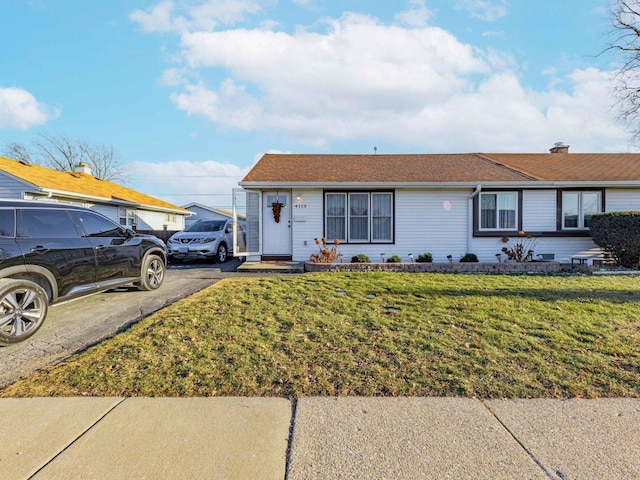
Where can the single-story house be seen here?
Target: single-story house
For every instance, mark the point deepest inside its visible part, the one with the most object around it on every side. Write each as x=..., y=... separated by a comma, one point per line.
x=128, y=207
x=202, y=212
x=444, y=204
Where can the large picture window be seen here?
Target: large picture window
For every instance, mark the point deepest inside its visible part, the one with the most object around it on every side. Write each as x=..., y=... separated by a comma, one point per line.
x=578, y=208
x=359, y=217
x=498, y=211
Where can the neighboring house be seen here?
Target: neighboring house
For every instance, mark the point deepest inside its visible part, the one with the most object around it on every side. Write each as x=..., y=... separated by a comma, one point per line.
x=448, y=204
x=202, y=212
x=134, y=209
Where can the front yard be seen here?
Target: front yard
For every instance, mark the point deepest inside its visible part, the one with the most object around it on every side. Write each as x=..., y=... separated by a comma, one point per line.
x=327, y=334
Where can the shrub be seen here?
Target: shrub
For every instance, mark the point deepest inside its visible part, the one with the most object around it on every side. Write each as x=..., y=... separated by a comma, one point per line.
x=469, y=257
x=425, y=258
x=520, y=249
x=360, y=258
x=618, y=234
x=394, y=259
x=325, y=254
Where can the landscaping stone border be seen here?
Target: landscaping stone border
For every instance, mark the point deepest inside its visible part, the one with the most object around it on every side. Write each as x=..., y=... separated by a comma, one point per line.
x=454, y=267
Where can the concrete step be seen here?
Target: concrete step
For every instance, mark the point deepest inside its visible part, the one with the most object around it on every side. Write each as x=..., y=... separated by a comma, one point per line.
x=275, y=266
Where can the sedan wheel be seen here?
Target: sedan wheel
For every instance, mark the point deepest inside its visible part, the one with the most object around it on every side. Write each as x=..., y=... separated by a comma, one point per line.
x=152, y=274
x=23, y=308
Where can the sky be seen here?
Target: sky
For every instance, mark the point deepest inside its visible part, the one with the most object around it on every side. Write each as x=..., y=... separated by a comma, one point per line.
x=191, y=93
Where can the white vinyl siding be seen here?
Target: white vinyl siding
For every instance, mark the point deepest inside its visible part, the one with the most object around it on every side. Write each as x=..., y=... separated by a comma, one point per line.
x=539, y=210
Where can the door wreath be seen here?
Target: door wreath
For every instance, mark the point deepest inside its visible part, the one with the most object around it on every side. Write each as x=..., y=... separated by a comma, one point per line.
x=276, y=208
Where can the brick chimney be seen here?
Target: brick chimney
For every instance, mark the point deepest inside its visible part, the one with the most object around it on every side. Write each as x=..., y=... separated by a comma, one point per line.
x=559, y=147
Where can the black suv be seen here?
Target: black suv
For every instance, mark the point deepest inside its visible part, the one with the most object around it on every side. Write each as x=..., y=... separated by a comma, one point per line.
x=52, y=252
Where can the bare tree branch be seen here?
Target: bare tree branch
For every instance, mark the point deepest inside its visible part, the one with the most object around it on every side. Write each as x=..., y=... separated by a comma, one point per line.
x=65, y=154
x=625, y=20
x=18, y=152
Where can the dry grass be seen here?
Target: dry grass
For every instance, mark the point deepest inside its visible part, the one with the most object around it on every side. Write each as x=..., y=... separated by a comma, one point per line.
x=373, y=334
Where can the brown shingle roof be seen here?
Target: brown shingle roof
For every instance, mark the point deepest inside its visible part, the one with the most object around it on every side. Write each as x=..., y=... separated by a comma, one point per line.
x=444, y=168
x=80, y=183
x=574, y=166
x=378, y=168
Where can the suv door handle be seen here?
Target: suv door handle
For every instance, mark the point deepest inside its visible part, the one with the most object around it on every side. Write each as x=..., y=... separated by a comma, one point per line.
x=100, y=247
x=39, y=249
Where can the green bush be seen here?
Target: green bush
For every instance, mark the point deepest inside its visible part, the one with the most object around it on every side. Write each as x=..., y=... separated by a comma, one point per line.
x=425, y=258
x=394, y=259
x=360, y=258
x=618, y=234
x=469, y=257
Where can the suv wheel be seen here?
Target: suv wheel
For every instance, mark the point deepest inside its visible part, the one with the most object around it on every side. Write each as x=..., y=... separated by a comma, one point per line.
x=23, y=308
x=152, y=273
x=222, y=253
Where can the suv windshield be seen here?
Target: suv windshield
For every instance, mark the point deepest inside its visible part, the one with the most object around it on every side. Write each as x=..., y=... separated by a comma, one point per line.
x=206, y=226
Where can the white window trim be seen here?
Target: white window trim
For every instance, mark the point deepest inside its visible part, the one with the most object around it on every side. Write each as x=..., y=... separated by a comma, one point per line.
x=347, y=223
x=580, y=193
x=497, y=228
x=123, y=213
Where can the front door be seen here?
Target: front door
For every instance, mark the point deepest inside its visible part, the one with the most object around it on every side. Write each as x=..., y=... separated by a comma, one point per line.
x=276, y=223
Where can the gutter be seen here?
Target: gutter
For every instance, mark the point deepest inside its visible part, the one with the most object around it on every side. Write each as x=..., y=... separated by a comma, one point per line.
x=527, y=185
x=473, y=195
x=111, y=201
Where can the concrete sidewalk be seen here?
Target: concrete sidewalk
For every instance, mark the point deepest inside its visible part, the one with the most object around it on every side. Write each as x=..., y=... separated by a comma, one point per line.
x=319, y=438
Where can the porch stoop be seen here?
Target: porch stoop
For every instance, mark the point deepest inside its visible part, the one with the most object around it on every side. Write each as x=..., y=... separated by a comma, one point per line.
x=272, y=266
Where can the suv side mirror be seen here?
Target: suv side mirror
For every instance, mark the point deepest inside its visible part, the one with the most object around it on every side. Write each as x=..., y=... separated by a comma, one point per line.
x=229, y=229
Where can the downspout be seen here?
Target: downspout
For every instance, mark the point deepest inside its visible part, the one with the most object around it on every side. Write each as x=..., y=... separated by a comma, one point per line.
x=473, y=195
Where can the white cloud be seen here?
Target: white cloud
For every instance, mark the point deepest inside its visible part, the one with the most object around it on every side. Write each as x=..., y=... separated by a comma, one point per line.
x=487, y=10
x=172, y=77
x=184, y=15
x=20, y=109
x=360, y=79
x=304, y=3
x=159, y=18
x=417, y=15
x=306, y=83
x=209, y=182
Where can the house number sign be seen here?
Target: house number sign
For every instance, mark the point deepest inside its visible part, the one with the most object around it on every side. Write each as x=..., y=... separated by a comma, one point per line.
x=300, y=205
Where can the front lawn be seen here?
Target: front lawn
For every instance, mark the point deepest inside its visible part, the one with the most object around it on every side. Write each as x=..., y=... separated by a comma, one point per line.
x=412, y=334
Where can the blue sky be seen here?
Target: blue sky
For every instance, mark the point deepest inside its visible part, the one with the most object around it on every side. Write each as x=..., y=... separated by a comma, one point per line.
x=191, y=93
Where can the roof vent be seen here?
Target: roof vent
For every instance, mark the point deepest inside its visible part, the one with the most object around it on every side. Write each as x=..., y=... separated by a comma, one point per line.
x=83, y=167
x=559, y=147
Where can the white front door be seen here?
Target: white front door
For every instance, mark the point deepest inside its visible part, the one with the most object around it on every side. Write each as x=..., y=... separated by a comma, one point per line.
x=276, y=223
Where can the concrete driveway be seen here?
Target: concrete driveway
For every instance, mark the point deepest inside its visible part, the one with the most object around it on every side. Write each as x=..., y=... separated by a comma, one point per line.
x=73, y=326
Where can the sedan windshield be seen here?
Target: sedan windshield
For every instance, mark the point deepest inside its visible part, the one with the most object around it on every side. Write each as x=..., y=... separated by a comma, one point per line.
x=206, y=226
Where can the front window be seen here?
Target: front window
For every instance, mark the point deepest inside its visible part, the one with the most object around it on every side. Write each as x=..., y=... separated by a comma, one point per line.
x=498, y=211
x=127, y=216
x=336, y=216
x=578, y=208
x=359, y=217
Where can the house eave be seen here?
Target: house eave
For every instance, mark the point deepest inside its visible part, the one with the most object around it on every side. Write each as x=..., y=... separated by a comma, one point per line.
x=538, y=184
x=109, y=200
